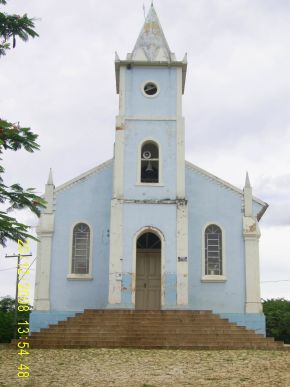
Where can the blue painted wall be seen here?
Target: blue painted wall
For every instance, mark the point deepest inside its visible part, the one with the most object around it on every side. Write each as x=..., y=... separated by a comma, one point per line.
x=210, y=202
x=138, y=105
x=163, y=132
x=88, y=201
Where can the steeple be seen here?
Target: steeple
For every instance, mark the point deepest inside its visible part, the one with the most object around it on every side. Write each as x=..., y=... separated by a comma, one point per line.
x=151, y=44
x=151, y=49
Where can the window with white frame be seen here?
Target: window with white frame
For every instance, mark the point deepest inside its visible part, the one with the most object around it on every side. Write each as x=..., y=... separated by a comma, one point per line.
x=81, y=249
x=213, y=250
x=149, y=162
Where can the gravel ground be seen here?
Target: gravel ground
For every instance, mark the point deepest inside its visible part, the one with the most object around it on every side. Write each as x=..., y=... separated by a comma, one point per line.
x=146, y=368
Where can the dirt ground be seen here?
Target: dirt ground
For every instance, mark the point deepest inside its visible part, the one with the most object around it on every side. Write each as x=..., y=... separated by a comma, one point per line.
x=145, y=368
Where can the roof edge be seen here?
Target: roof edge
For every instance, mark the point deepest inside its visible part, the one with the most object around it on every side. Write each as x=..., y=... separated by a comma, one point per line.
x=84, y=175
x=229, y=186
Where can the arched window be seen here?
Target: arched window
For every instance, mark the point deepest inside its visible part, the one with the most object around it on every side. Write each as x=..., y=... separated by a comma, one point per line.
x=213, y=250
x=149, y=162
x=81, y=249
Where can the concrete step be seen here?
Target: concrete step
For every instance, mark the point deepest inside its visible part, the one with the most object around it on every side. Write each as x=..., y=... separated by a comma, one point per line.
x=149, y=329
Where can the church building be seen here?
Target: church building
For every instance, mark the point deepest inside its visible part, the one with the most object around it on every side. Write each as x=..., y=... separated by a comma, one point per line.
x=148, y=230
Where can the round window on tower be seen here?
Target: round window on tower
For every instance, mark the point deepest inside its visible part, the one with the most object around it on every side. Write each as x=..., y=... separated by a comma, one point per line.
x=150, y=89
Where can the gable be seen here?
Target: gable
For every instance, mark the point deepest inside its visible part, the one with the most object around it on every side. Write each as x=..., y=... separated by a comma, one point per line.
x=259, y=206
x=84, y=176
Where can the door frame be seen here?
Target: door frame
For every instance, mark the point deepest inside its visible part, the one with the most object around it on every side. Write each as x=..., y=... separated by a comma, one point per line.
x=160, y=235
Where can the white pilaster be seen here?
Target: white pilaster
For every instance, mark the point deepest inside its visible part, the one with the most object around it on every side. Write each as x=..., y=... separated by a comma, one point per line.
x=251, y=234
x=45, y=231
x=116, y=252
x=180, y=155
x=182, y=253
x=119, y=158
x=116, y=225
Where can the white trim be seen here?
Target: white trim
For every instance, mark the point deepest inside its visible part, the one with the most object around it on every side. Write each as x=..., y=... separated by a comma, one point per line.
x=150, y=96
x=162, y=239
x=71, y=275
x=180, y=146
x=221, y=182
x=182, y=251
x=116, y=252
x=213, y=278
x=180, y=159
x=160, y=164
x=251, y=233
x=151, y=118
x=45, y=230
x=179, y=92
x=84, y=277
x=122, y=91
x=149, y=184
x=84, y=175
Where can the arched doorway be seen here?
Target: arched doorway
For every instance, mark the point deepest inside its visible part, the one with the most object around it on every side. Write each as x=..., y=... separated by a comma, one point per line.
x=148, y=271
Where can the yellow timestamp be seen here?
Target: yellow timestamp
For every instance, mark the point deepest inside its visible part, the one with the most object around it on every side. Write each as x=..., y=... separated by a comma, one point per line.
x=22, y=303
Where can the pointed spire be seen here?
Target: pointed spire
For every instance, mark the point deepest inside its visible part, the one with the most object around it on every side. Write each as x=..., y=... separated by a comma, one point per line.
x=248, y=197
x=49, y=194
x=50, y=179
x=247, y=183
x=151, y=44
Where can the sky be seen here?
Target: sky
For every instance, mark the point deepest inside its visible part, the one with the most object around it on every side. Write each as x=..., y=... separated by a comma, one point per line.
x=236, y=103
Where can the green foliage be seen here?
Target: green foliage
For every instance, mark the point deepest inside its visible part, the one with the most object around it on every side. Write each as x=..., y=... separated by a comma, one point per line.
x=7, y=308
x=13, y=137
x=13, y=26
x=277, y=312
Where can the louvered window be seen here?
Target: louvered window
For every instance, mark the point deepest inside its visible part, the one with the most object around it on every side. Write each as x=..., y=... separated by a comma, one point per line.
x=213, y=250
x=81, y=249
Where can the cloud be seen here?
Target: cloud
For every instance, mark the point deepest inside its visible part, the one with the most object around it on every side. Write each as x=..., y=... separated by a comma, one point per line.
x=276, y=191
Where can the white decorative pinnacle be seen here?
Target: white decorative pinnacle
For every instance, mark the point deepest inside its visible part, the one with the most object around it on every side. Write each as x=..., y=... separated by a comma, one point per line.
x=247, y=183
x=151, y=44
x=50, y=179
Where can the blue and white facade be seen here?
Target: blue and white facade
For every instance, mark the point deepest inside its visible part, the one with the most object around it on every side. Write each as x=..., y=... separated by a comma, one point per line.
x=206, y=230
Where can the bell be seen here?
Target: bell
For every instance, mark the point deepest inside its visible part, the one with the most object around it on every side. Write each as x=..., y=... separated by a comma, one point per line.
x=149, y=168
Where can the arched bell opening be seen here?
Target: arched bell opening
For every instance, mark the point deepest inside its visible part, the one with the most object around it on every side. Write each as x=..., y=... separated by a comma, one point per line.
x=149, y=162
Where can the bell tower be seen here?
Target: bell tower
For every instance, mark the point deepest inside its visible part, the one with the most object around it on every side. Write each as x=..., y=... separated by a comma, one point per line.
x=149, y=166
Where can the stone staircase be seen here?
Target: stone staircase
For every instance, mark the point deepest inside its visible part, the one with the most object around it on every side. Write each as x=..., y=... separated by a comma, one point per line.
x=149, y=329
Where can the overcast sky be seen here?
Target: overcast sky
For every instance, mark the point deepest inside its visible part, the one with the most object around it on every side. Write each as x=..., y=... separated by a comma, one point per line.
x=236, y=102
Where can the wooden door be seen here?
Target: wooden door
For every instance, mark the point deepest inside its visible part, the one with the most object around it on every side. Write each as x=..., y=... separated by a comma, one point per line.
x=148, y=280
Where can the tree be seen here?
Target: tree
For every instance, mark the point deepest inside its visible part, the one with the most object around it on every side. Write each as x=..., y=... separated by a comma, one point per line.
x=7, y=327
x=277, y=312
x=12, y=26
x=13, y=137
